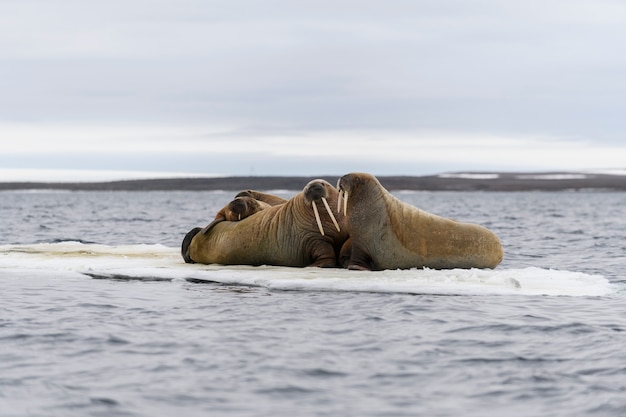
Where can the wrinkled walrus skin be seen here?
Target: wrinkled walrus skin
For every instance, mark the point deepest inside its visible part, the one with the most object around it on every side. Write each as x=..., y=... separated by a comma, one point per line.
x=286, y=235
x=386, y=233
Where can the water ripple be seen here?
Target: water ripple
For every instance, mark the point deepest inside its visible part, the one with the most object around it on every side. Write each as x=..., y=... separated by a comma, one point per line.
x=72, y=346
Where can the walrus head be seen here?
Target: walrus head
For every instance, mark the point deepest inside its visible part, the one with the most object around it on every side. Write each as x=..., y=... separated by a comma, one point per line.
x=320, y=190
x=272, y=200
x=237, y=209
x=242, y=207
x=361, y=184
x=186, y=242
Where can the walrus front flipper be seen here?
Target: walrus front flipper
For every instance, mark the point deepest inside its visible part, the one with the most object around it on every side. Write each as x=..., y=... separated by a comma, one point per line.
x=184, y=250
x=359, y=259
x=345, y=253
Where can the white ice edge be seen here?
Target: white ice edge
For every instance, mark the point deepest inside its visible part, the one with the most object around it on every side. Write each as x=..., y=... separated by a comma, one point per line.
x=158, y=261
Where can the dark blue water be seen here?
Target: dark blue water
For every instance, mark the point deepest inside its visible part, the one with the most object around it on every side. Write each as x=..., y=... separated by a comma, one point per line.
x=75, y=346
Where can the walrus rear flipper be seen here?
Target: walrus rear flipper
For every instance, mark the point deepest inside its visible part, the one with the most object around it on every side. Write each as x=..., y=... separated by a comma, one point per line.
x=186, y=242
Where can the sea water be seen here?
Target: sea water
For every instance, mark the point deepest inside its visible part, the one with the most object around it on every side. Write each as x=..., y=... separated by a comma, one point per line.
x=99, y=316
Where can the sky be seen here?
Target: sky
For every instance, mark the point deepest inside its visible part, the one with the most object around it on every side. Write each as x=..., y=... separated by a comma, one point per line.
x=283, y=87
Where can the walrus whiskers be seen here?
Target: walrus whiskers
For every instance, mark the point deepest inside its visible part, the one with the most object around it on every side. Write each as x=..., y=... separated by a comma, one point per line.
x=317, y=218
x=330, y=213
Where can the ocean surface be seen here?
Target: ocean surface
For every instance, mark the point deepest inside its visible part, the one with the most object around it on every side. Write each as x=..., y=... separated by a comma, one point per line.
x=99, y=316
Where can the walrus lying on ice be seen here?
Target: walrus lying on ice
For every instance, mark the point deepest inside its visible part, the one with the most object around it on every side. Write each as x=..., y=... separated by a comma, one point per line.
x=288, y=234
x=386, y=233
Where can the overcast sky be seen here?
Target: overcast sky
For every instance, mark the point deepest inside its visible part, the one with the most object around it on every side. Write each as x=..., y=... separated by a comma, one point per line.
x=282, y=87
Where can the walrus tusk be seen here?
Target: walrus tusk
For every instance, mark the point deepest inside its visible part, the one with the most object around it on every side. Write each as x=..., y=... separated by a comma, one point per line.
x=343, y=197
x=317, y=218
x=330, y=213
x=339, y=197
x=239, y=216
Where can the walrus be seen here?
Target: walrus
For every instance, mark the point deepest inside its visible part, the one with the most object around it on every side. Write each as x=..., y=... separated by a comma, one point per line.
x=288, y=234
x=271, y=199
x=237, y=209
x=245, y=204
x=240, y=208
x=386, y=233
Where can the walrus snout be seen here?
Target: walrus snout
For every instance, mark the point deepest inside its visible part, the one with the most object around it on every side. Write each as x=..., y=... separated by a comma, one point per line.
x=342, y=182
x=349, y=181
x=242, y=207
x=238, y=206
x=315, y=191
x=186, y=242
x=345, y=186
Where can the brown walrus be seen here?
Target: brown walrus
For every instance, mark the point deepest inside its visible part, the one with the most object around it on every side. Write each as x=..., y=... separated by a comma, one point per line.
x=245, y=204
x=240, y=208
x=289, y=234
x=271, y=199
x=237, y=209
x=386, y=233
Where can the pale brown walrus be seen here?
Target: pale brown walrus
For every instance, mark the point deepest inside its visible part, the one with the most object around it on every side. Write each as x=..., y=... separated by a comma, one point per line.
x=386, y=233
x=289, y=234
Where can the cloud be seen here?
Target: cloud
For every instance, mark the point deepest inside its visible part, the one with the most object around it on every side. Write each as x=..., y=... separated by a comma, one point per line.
x=442, y=82
x=227, y=151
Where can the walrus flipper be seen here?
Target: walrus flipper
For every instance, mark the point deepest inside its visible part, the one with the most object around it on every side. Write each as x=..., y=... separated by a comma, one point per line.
x=359, y=259
x=184, y=250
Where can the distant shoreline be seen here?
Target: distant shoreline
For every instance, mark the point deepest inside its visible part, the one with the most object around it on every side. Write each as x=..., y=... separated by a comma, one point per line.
x=548, y=181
